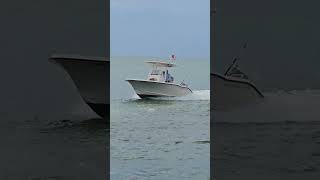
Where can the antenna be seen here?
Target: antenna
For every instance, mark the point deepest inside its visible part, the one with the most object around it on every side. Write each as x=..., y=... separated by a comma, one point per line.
x=236, y=58
x=241, y=50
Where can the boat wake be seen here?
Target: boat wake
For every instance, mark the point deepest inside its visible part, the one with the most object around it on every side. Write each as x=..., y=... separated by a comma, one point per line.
x=196, y=95
x=279, y=106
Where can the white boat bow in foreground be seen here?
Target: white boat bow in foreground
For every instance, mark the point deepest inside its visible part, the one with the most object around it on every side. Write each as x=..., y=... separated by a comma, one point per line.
x=91, y=76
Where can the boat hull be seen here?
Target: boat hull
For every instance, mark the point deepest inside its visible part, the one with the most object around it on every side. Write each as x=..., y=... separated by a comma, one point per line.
x=91, y=76
x=231, y=92
x=152, y=89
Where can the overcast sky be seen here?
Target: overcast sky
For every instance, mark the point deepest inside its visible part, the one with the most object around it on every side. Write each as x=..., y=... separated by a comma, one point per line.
x=160, y=28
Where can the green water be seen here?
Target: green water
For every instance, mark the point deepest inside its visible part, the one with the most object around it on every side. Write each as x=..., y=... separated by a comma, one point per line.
x=160, y=139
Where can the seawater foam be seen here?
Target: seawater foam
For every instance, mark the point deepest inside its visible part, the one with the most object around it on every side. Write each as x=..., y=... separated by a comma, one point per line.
x=196, y=95
x=280, y=106
x=135, y=96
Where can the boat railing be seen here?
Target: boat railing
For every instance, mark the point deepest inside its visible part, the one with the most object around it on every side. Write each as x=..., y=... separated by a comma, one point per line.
x=239, y=75
x=183, y=84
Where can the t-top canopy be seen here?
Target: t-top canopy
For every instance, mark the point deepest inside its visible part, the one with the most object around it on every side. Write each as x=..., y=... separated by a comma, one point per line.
x=160, y=64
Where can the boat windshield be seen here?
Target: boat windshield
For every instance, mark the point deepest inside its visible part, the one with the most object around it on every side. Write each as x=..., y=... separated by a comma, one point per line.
x=155, y=72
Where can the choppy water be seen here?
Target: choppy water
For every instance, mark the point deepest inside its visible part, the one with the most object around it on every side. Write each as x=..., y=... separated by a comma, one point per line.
x=164, y=138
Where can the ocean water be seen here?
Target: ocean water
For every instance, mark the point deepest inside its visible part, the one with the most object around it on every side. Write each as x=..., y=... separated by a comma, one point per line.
x=45, y=147
x=276, y=139
x=164, y=138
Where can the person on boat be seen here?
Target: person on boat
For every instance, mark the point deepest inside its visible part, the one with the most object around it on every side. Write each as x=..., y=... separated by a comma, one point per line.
x=169, y=78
